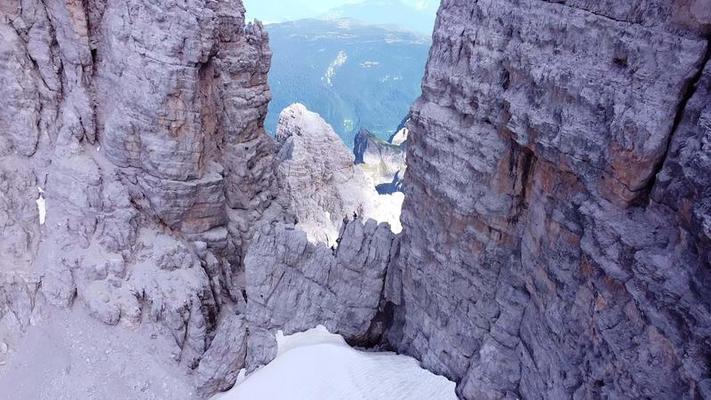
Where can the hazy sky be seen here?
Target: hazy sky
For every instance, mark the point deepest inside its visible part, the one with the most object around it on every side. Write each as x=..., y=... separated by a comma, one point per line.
x=285, y=10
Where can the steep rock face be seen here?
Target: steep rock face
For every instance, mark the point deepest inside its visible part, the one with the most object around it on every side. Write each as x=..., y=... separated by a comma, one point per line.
x=556, y=240
x=141, y=125
x=557, y=234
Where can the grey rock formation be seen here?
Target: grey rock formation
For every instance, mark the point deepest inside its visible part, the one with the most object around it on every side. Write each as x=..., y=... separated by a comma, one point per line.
x=322, y=182
x=293, y=284
x=556, y=240
x=557, y=229
x=221, y=363
x=383, y=162
x=141, y=126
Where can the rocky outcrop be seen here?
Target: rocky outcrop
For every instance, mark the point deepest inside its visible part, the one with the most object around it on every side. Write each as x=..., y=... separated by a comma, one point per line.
x=383, y=162
x=321, y=180
x=556, y=240
x=139, y=127
x=293, y=284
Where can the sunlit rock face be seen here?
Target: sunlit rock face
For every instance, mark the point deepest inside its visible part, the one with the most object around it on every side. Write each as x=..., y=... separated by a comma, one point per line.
x=135, y=171
x=556, y=240
x=321, y=179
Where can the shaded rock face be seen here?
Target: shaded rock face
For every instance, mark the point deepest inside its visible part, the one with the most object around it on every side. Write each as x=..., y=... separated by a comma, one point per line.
x=293, y=284
x=556, y=240
x=383, y=162
x=556, y=237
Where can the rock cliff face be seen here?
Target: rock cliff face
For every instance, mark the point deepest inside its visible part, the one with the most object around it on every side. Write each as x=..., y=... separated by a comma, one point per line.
x=556, y=221
x=293, y=284
x=322, y=182
x=141, y=123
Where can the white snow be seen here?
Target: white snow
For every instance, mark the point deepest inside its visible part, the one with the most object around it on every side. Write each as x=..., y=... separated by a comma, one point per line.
x=318, y=365
x=388, y=208
x=388, y=78
x=369, y=64
x=41, y=206
x=340, y=60
x=401, y=136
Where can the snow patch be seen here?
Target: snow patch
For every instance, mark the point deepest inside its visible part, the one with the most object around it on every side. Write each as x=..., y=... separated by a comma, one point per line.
x=369, y=64
x=388, y=209
x=340, y=60
x=41, y=206
x=348, y=125
x=400, y=137
x=388, y=78
x=318, y=365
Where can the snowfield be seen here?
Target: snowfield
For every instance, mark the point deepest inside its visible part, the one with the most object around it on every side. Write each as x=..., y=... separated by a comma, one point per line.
x=318, y=365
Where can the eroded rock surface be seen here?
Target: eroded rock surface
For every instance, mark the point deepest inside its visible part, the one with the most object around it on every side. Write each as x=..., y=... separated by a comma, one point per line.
x=293, y=284
x=141, y=126
x=556, y=235
x=555, y=243
x=322, y=181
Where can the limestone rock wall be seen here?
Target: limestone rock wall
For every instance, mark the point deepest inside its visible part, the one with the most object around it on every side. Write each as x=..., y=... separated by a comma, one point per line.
x=556, y=231
x=556, y=240
x=140, y=124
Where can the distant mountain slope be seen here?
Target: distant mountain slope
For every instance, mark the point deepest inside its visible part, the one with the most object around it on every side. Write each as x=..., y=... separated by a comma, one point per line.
x=354, y=75
x=414, y=16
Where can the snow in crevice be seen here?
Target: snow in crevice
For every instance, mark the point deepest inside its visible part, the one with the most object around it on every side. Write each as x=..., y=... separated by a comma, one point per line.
x=369, y=64
x=318, y=365
x=388, y=208
x=41, y=206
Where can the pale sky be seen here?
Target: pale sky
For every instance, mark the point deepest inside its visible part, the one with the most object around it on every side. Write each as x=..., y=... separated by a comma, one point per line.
x=285, y=10
x=269, y=11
